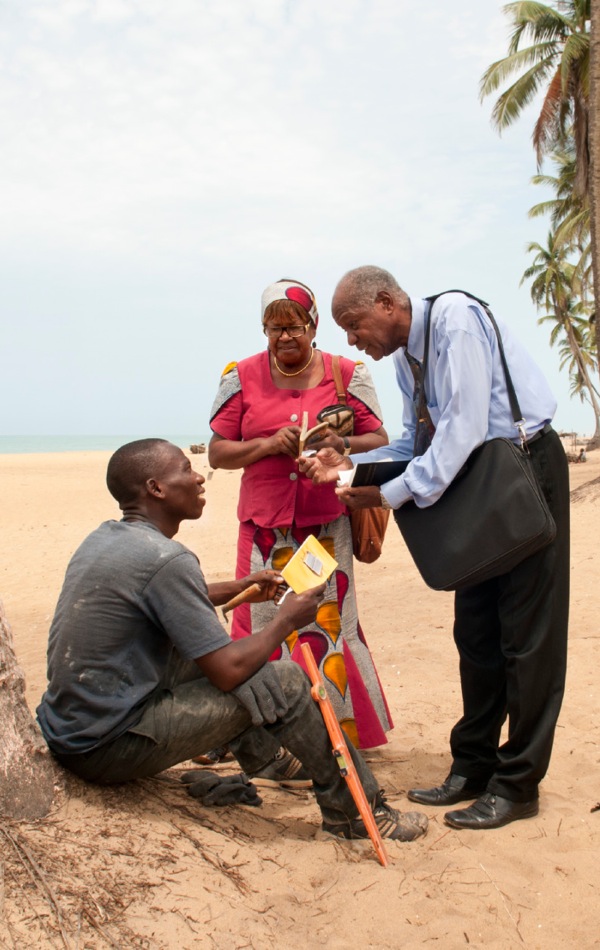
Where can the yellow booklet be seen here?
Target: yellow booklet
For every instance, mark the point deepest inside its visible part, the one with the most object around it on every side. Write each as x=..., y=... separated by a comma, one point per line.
x=309, y=567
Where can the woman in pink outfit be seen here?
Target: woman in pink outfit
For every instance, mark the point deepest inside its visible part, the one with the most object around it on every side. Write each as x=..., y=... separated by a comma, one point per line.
x=256, y=420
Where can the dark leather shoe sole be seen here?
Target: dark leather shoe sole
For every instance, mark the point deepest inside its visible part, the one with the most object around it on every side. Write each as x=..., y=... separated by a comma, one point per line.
x=491, y=811
x=455, y=789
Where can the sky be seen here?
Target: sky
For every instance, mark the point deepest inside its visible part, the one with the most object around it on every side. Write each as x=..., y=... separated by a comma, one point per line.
x=162, y=161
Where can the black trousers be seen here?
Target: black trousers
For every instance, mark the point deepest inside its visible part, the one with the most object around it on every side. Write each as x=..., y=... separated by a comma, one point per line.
x=511, y=634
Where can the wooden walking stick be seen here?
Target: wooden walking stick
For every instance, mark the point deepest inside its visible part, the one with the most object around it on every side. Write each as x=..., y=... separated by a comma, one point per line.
x=240, y=598
x=340, y=751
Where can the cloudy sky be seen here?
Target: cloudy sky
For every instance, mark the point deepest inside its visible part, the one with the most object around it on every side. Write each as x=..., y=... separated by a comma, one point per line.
x=163, y=160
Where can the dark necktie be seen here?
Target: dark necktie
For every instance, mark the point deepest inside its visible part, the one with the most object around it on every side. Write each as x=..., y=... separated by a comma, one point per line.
x=425, y=428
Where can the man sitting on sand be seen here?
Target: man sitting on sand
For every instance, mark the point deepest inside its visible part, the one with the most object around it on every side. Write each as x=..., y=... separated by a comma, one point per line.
x=124, y=698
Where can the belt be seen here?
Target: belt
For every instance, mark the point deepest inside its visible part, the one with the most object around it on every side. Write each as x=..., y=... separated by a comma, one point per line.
x=538, y=435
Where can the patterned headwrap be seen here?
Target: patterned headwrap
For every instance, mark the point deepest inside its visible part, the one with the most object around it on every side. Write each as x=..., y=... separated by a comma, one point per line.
x=286, y=289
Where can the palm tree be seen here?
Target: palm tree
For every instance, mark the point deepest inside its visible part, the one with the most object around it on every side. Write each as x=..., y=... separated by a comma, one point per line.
x=558, y=63
x=571, y=220
x=582, y=330
x=569, y=215
x=595, y=164
x=555, y=288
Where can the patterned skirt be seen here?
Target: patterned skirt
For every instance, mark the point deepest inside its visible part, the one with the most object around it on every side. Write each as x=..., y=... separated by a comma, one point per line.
x=336, y=637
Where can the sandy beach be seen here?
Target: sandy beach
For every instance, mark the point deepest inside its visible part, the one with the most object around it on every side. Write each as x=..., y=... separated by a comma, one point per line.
x=144, y=865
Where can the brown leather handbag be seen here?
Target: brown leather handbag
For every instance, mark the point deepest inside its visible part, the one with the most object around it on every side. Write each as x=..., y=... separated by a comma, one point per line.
x=368, y=524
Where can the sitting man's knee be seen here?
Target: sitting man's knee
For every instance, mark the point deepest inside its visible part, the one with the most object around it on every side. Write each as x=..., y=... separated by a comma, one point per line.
x=292, y=677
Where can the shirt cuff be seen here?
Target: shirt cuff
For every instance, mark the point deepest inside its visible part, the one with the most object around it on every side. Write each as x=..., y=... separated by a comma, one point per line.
x=396, y=492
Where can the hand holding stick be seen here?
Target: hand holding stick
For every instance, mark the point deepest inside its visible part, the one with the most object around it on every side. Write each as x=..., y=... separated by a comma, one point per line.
x=340, y=751
x=240, y=598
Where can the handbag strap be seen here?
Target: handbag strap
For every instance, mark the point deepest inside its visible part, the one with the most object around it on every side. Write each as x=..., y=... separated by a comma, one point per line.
x=515, y=408
x=339, y=382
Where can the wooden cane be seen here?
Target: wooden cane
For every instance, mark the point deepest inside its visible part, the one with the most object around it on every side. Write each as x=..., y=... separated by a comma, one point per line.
x=240, y=598
x=343, y=758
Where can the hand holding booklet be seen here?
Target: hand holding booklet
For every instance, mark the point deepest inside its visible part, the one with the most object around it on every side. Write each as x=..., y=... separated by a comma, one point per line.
x=310, y=566
x=372, y=473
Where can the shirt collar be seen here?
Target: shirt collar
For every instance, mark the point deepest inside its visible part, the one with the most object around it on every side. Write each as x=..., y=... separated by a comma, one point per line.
x=416, y=335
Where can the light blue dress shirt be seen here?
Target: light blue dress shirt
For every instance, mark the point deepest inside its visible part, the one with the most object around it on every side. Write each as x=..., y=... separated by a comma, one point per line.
x=466, y=395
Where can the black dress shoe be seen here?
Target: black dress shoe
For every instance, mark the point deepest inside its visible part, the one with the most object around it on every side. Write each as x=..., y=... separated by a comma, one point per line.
x=491, y=811
x=455, y=788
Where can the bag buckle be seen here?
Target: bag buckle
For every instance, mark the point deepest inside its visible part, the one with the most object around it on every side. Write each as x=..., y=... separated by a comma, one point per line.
x=520, y=426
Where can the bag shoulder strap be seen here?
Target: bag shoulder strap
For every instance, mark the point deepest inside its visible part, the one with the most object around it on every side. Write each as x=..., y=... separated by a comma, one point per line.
x=512, y=396
x=339, y=382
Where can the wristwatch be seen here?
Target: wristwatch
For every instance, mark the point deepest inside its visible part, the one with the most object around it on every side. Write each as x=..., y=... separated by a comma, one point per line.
x=384, y=502
x=347, y=449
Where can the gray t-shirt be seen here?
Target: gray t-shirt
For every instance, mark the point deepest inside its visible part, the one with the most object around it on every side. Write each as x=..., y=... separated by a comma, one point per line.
x=131, y=597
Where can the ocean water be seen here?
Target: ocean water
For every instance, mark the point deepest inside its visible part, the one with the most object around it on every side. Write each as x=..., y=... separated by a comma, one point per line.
x=18, y=444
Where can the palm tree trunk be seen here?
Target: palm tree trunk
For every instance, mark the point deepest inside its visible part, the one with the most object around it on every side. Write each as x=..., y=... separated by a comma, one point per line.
x=595, y=163
x=587, y=383
x=27, y=770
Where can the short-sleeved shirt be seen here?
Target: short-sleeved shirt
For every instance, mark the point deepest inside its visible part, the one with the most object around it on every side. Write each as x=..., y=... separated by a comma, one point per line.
x=131, y=597
x=248, y=406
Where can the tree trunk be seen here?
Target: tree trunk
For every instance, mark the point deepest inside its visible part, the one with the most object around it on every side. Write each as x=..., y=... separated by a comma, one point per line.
x=585, y=376
x=27, y=770
x=594, y=179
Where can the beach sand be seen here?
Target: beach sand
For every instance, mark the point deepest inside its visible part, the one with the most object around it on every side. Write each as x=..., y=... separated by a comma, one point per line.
x=143, y=865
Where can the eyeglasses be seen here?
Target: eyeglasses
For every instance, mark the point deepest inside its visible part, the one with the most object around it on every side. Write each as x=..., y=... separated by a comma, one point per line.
x=275, y=332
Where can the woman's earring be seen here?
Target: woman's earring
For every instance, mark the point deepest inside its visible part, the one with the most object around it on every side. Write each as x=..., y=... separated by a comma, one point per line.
x=314, y=344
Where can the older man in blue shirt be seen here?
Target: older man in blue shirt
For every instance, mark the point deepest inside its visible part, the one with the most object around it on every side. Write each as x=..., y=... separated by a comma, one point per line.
x=511, y=631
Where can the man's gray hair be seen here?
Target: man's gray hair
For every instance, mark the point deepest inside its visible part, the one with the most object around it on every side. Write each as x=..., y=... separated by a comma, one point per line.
x=361, y=285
